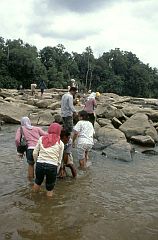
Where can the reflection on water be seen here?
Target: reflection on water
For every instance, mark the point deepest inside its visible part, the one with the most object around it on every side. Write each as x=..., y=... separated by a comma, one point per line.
x=113, y=200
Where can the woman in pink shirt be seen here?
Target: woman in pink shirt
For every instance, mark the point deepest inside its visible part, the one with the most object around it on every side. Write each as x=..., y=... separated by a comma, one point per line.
x=31, y=134
x=89, y=107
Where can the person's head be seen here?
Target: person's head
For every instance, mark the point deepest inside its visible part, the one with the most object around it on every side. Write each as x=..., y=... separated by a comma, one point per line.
x=83, y=115
x=54, y=128
x=78, y=96
x=65, y=136
x=58, y=119
x=97, y=94
x=53, y=135
x=25, y=121
x=73, y=90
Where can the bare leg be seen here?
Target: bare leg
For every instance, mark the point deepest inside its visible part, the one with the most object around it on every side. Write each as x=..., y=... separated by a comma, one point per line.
x=86, y=156
x=36, y=187
x=30, y=172
x=62, y=172
x=73, y=169
x=82, y=164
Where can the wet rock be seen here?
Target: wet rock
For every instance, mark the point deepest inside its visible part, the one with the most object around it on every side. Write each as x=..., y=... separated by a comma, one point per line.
x=138, y=124
x=116, y=123
x=150, y=152
x=143, y=140
x=119, y=151
x=100, y=146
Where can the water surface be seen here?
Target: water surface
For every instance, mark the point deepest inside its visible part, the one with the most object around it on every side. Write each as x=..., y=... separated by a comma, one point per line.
x=113, y=200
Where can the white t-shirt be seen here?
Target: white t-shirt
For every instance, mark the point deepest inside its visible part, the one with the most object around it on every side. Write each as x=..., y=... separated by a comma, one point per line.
x=85, y=132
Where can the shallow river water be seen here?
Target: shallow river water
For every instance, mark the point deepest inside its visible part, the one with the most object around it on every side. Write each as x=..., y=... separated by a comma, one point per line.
x=113, y=200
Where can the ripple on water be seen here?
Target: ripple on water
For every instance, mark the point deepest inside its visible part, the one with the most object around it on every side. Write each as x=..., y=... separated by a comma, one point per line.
x=111, y=200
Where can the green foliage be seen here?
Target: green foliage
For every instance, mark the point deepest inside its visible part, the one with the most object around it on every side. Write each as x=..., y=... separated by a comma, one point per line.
x=116, y=71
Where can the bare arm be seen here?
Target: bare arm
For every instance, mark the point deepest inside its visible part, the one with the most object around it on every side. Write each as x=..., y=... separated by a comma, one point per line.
x=17, y=137
x=75, y=135
x=71, y=106
x=61, y=152
x=36, y=150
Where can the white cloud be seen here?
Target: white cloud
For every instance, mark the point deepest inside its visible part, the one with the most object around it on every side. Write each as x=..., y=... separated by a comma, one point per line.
x=128, y=25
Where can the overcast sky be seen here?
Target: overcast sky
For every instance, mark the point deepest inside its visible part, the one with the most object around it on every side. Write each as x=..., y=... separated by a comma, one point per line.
x=131, y=25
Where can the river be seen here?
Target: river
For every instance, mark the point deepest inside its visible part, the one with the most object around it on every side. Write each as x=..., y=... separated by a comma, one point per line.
x=112, y=200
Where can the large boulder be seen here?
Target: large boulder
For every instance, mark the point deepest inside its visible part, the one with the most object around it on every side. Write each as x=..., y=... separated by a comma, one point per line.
x=120, y=151
x=143, y=140
x=54, y=105
x=43, y=118
x=110, y=134
x=138, y=124
x=44, y=103
x=11, y=112
x=109, y=112
x=130, y=110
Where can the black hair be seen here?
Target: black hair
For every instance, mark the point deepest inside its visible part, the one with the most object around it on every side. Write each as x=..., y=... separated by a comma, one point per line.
x=58, y=119
x=84, y=115
x=64, y=133
x=74, y=89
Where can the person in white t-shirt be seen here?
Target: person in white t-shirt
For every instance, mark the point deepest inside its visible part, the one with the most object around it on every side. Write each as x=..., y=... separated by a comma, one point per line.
x=83, y=132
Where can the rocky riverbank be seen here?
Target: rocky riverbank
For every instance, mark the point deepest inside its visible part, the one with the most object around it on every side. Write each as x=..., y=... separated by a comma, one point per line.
x=123, y=124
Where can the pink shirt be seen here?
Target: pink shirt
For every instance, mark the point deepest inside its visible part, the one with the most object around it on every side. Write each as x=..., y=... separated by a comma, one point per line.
x=90, y=105
x=31, y=136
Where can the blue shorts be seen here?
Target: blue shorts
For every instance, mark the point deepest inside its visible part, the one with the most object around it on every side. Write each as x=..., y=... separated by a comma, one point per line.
x=29, y=156
x=48, y=170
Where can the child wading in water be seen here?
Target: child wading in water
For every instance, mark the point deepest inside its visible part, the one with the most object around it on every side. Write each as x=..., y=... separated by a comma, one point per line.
x=48, y=153
x=84, y=131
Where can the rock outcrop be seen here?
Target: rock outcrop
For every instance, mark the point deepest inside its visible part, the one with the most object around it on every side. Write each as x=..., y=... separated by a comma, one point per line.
x=120, y=121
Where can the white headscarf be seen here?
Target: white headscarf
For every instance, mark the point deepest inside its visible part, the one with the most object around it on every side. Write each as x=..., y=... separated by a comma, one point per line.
x=91, y=96
x=25, y=121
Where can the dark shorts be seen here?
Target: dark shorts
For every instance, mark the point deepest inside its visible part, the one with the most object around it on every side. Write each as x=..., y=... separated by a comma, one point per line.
x=68, y=123
x=48, y=170
x=29, y=156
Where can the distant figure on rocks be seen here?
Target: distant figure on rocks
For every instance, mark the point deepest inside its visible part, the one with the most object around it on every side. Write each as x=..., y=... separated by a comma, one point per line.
x=33, y=88
x=31, y=134
x=42, y=86
x=73, y=83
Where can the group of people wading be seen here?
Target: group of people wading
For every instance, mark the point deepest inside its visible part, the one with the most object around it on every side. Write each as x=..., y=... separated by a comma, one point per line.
x=52, y=150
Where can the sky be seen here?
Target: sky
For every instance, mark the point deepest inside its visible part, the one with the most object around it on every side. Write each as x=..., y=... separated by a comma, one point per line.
x=131, y=25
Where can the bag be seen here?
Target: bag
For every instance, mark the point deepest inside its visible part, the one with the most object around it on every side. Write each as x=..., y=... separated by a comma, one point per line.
x=23, y=144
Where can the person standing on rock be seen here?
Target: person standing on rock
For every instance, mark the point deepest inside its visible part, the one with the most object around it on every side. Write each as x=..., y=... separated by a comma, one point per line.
x=90, y=106
x=42, y=86
x=33, y=88
x=31, y=134
x=67, y=109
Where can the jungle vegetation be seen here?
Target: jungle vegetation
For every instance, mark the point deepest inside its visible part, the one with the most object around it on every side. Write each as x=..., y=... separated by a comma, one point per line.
x=116, y=71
